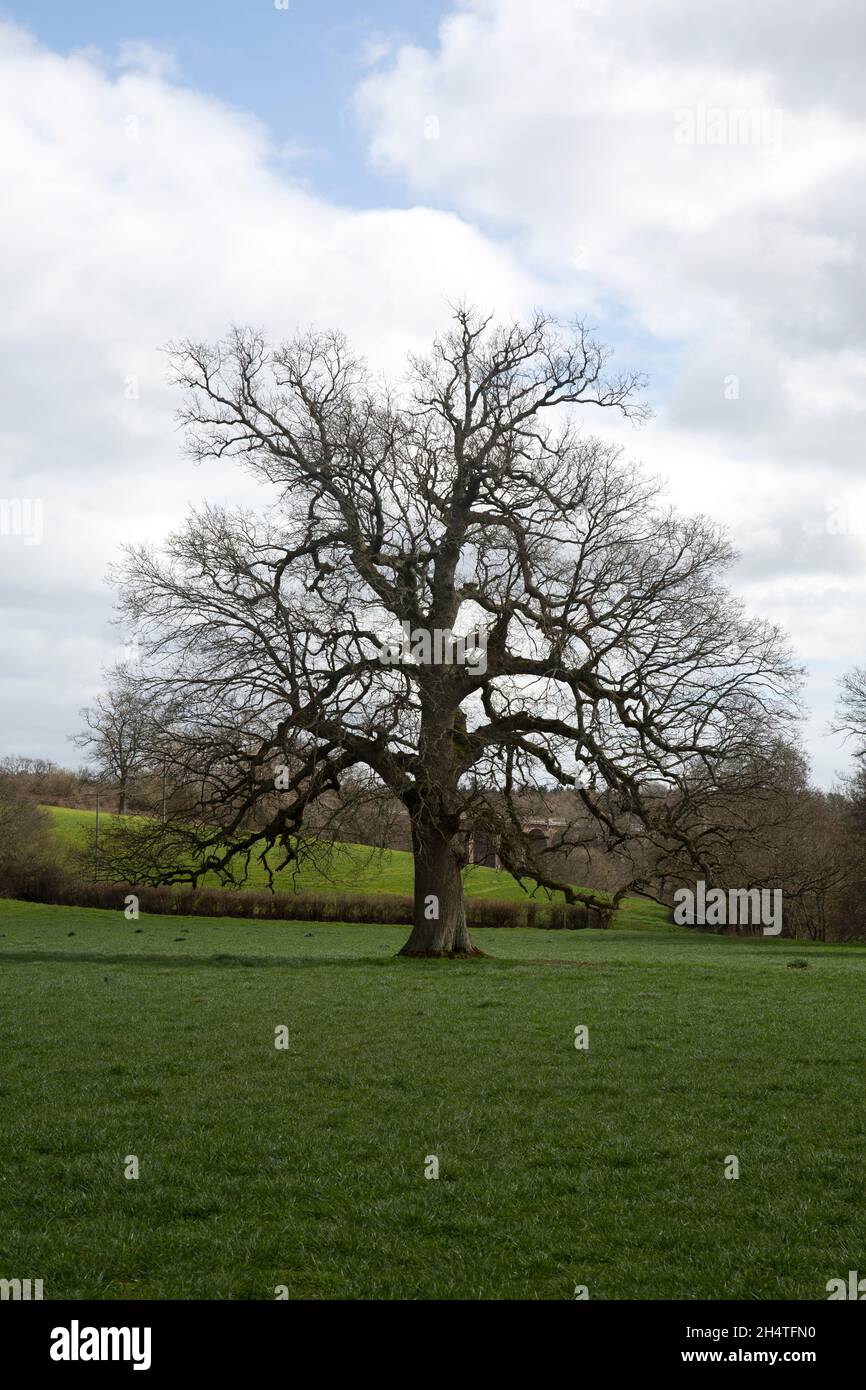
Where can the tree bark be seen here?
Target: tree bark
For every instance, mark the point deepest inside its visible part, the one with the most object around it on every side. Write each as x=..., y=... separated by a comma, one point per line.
x=439, y=914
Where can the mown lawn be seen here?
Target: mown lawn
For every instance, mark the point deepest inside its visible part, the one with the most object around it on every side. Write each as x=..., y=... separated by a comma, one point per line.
x=305, y=1167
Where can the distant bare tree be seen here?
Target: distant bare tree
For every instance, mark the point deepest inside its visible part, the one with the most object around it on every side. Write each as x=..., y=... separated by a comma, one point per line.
x=851, y=713
x=38, y=779
x=117, y=726
x=851, y=721
x=26, y=841
x=782, y=833
x=615, y=663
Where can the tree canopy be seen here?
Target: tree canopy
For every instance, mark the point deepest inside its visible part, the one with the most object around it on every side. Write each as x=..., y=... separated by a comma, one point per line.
x=467, y=499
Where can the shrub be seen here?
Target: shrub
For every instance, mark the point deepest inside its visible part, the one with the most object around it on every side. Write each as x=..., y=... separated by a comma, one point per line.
x=45, y=882
x=27, y=864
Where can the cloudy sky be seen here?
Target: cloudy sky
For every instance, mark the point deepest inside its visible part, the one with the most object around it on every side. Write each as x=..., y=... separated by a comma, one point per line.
x=687, y=176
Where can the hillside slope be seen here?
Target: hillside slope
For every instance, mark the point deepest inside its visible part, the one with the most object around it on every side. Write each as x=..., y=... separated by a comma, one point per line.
x=359, y=869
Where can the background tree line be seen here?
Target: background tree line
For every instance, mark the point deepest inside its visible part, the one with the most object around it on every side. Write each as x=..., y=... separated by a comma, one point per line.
x=789, y=835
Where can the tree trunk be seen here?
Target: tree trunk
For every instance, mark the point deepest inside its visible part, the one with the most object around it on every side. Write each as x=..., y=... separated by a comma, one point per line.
x=439, y=915
x=121, y=808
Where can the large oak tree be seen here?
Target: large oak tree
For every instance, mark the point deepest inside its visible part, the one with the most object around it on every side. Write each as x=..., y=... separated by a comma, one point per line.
x=467, y=497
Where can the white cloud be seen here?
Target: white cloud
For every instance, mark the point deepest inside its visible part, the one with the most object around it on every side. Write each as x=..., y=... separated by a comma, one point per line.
x=550, y=137
x=690, y=174
x=138, y=211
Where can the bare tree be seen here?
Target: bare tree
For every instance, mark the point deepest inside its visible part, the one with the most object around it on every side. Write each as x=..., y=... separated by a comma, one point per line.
x=116, y=734
x=770, y=829
x=851, y=713
x=851, y=721
x=609, y=659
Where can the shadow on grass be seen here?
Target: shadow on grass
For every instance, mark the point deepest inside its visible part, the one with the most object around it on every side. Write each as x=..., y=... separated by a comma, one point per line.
x=221, y=959
x=147, y=958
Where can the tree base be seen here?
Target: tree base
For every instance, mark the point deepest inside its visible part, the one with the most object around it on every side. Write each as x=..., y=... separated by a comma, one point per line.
x=431, y=953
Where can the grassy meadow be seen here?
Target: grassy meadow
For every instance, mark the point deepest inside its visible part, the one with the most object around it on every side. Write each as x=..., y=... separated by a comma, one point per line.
x=304, y=1168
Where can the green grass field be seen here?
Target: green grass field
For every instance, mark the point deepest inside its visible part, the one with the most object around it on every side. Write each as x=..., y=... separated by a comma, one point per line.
x=305, y=1167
